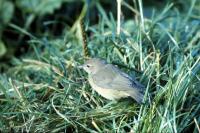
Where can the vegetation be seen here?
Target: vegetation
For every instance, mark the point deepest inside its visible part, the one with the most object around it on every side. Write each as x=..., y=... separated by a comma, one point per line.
x=41, y=46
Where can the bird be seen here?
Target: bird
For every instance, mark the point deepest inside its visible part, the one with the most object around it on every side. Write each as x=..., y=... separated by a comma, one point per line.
x=110, y=82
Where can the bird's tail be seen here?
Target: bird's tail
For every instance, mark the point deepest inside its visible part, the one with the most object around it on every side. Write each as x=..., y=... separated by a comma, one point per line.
x=138, y=96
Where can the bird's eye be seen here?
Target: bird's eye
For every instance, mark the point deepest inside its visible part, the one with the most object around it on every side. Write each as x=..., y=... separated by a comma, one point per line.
x=88, y=66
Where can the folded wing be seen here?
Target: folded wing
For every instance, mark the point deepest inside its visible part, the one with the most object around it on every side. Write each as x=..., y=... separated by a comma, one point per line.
x=113, y=78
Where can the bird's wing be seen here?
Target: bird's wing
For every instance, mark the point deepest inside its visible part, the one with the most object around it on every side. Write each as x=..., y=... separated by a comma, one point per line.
x=111, y=77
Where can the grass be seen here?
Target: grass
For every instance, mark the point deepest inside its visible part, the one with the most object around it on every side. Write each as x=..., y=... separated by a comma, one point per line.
x=45, y=91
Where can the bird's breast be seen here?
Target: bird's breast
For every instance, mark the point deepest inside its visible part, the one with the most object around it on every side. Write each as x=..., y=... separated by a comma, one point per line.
x=107, y=93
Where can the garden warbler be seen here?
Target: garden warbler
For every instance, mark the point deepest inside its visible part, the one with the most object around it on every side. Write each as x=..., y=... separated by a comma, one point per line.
x=110, y=82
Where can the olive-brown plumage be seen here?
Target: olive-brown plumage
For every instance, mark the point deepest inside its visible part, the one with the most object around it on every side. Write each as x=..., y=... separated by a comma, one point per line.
x=110, y=82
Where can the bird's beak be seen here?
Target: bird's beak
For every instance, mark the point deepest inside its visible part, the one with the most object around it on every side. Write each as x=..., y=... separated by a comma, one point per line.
x=81, y=66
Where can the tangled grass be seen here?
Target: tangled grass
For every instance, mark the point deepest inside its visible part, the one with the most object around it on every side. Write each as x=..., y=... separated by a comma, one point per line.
x=45, y=91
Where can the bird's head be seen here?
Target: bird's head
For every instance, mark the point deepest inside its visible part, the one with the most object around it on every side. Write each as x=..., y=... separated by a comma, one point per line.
x=93, y=65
